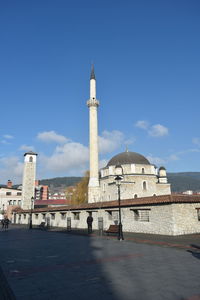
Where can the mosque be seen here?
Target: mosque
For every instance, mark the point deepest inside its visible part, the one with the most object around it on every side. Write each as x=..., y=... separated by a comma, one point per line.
x=147, y=204
x=140, y=178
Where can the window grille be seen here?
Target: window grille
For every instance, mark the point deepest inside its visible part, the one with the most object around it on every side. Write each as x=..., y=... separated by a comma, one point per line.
x=141, y=215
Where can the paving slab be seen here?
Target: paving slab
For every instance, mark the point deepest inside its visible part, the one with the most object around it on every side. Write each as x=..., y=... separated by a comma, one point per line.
x=41, y=264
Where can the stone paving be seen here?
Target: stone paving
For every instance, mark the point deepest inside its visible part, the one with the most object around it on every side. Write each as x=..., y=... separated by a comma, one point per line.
x=45, y=265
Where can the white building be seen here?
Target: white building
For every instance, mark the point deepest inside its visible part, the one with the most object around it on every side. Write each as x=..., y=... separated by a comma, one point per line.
x=9, y=196
x=140, y=178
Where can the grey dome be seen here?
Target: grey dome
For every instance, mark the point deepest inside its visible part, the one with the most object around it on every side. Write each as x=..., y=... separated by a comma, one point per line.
x=128, y=158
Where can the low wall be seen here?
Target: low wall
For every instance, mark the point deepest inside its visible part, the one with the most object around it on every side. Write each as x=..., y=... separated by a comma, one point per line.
x=165, y=219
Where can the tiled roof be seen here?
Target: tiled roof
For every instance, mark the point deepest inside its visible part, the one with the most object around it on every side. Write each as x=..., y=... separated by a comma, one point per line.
x=154, y=200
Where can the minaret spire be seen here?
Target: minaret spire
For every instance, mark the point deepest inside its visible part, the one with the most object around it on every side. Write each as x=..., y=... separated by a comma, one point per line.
x=92, y=75
x=93, y=103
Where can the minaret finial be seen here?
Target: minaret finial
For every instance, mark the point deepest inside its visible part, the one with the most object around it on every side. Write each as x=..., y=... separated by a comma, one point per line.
x=92, y=76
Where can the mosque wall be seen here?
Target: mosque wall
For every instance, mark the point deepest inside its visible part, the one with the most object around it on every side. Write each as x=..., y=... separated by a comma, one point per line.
x=186, y=218
x=133, y=186
x=166, y=219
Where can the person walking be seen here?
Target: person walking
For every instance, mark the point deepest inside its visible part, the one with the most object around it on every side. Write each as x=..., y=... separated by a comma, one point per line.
x=89, y=223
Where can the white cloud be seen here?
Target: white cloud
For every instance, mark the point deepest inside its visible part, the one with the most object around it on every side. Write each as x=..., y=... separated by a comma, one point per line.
x=103, y=163
x=11, y=168
x=112, y=140
x=158, y=130
x=70, y=158
x=142, y=124
x=8, y=136
x=27, y=148
x=51, y=136
x=196, y=141
x=156, y=160
x=73, y=158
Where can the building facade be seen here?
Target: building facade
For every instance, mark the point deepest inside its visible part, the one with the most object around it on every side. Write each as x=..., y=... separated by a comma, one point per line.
x=139, y=178
x=9, y=196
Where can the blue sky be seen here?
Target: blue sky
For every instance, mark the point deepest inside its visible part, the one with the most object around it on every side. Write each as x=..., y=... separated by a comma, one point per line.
x=147, y=65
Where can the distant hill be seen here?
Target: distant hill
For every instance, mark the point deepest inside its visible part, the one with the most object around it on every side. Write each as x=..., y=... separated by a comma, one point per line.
x=180, y=182
x=183, y=181
x=58, y=184
x=60, y=181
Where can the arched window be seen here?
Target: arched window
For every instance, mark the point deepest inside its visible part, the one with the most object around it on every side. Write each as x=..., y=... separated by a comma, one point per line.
x=144, y=185
x=154, y=195
x=30, y=159
x=143, y=171
x=135, y=196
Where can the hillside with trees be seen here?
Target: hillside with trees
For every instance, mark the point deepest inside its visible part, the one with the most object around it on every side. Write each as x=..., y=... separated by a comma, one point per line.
x=183, y=181
x=180, y=182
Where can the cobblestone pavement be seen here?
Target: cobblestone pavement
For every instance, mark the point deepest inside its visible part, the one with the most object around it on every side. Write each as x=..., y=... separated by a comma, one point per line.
x=50, y=265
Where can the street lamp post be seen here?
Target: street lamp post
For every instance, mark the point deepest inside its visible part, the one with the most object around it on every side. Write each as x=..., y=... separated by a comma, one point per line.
x=30, y=224
x=118, y=178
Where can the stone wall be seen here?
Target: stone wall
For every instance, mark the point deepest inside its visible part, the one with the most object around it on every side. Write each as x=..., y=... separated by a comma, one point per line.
x=185, y=218
x=166, y=219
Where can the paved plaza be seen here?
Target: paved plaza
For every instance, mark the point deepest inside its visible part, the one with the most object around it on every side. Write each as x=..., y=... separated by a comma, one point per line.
x=37, y=264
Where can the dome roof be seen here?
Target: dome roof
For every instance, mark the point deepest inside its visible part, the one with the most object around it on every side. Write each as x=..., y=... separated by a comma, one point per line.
x=162, y=168
x=128, y=158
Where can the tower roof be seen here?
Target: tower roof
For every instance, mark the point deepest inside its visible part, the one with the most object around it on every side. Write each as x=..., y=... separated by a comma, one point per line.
x=30, y=153
x=92, y=75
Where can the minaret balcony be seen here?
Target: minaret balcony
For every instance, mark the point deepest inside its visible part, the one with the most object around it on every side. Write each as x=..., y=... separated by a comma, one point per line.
x=92, y=102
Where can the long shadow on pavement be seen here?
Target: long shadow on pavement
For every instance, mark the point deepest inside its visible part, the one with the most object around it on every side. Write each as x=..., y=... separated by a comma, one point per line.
x=196, y=253
x=46, y=265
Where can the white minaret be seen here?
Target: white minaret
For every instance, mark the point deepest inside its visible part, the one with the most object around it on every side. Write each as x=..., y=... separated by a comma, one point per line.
x=93, y=103
x=28, y=185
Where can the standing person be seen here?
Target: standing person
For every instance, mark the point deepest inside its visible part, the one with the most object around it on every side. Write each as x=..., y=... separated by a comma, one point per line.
x=3, y=224
x=89, y=223
x=6, y=222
